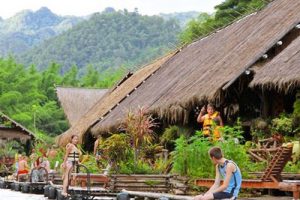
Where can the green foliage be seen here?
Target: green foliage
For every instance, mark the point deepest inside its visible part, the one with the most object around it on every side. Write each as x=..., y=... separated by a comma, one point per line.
x=28, y=96
x=44, y=139
x=282, y=125
x=292, y=167
x=191, y=155
x=91, y=163
x=108, y=39
x=116, y=148
x=131, y=167
x=170, y=135
x=260, y=129
x=296, y=106
x=139, y=127
x=191, y=158
x=233, y=132
x=10, y=148
x=226, y=13
x=296, y=114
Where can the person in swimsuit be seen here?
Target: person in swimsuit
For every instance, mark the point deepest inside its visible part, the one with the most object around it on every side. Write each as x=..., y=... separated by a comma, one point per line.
x=71, y=158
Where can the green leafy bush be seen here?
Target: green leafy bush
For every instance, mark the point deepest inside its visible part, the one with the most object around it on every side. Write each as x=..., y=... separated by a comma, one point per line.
x=191, y=155
x=116, y=149
x=282, y=125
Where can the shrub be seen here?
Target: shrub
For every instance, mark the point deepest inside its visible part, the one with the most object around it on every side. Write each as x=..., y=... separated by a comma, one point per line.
x=191, y=155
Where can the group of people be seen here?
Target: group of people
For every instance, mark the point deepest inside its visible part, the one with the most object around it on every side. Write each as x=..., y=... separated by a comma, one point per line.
x=38, y=167
x=225, y=169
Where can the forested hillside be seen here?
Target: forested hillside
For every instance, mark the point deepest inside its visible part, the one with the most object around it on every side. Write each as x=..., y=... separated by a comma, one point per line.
x=107, y=39
x=28, y=96
x=27, y=28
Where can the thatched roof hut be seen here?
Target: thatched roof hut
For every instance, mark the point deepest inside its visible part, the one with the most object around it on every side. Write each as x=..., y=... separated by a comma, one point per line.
x=77, y=101
x=282, y=73
x=200, y=70
x=112, y=98
x=12, y=130
x=197, y=73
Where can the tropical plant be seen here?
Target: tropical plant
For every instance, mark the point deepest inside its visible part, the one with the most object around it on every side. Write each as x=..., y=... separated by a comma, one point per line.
x=116, y=149
x=10, y=148
x=139, y=127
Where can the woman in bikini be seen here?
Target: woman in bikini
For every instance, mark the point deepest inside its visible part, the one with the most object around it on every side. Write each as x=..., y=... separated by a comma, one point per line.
x=71, y=158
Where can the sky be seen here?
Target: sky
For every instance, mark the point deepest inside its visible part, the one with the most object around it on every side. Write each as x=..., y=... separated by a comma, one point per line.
x=85, y=7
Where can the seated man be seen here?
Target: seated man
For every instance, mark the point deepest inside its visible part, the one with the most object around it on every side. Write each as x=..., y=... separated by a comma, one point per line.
x=231, y=175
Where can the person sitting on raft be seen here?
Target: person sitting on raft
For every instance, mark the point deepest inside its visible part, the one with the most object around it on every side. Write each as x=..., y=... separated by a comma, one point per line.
x=22, y=167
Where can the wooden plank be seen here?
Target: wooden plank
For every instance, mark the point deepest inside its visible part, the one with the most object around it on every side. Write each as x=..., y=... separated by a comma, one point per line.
x=158, y=195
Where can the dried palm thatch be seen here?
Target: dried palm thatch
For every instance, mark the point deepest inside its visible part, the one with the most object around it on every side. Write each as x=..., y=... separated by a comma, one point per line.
x=77, y=101
x=198, y=72
x=111, y=99
x=282, y=72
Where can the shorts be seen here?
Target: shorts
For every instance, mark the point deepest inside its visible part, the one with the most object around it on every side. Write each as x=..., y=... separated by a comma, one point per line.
x=23, y=172
x=222, y=195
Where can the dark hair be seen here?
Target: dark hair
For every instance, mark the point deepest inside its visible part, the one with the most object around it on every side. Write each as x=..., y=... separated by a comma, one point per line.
x=215, y=152
x=210, y=105
x=73, y=137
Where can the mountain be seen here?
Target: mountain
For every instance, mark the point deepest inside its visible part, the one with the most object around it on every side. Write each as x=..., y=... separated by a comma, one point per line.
x=182, y=17
x=107, y=39
x=27, y=28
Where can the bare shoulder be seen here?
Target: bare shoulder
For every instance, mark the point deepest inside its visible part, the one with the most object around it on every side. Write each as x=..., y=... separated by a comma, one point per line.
x=231, y=167
x=69, y=146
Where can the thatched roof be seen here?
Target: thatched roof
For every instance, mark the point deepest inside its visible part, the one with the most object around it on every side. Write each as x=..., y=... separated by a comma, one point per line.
x=113, y=97
x=195, y=74
x=199, y=71
x=282, y=72
x=15, y=128
x=77, y=101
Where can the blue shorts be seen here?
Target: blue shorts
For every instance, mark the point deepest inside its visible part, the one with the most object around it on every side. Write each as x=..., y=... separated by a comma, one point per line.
x=222, y=195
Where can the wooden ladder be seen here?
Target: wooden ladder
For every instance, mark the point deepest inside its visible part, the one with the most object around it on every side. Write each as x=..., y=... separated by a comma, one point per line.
x=275, y=167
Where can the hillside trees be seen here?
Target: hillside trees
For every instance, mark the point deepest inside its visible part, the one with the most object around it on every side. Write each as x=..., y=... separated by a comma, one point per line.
x=107, y=39
x=28, y=96
x=226, y=13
